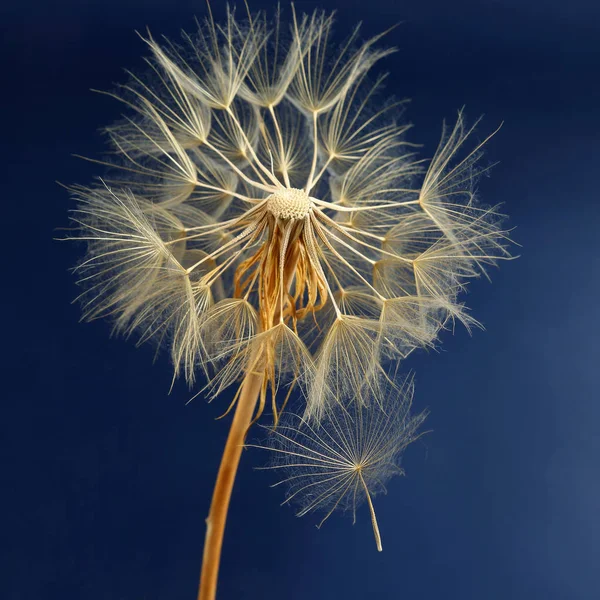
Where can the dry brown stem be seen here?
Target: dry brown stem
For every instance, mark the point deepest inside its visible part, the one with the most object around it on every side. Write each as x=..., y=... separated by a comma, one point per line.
x=217, y=516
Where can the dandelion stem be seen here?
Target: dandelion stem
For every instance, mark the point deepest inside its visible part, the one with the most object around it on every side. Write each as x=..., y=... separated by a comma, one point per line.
x=217, y=516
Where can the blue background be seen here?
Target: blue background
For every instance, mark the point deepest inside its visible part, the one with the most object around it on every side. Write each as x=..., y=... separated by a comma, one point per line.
x=106, y=480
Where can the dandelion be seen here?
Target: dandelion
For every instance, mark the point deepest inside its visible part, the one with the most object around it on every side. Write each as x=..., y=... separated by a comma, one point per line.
x=271, y=227
x=347, y=457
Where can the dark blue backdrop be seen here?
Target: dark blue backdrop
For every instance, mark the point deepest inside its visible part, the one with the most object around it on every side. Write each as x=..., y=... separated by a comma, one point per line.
x=106, y=479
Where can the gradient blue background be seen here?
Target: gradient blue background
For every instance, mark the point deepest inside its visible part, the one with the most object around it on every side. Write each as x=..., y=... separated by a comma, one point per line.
x=106, y=479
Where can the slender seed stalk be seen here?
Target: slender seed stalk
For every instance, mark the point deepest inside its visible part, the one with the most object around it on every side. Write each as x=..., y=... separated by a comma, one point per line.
x=217, y=516
x=373, y=517
x=313, y=167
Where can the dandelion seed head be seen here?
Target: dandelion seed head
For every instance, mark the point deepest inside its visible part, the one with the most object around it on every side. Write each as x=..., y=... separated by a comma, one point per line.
x=264, y=209
x=289, y=204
